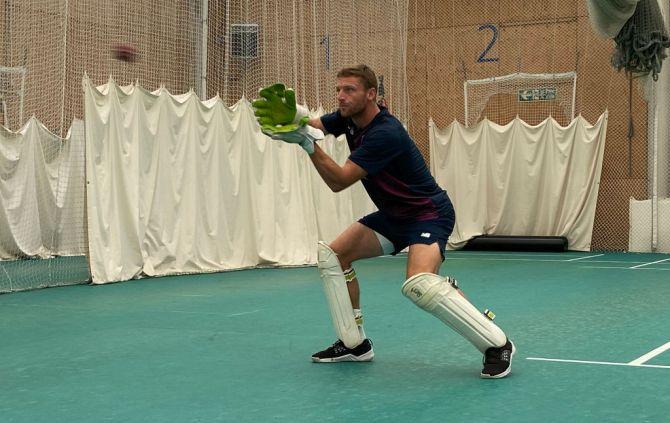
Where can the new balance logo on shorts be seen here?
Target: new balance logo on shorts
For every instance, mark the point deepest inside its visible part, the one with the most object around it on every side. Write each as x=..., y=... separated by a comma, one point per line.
x=425, y=234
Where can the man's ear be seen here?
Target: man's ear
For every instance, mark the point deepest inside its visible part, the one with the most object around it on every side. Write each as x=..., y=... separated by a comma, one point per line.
x=372, y=93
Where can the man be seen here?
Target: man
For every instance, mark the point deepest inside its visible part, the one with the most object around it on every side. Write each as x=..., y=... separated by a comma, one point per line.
x=413, y=212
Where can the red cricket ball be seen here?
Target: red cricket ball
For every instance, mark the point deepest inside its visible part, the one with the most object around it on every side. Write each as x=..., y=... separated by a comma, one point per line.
x=124, y=52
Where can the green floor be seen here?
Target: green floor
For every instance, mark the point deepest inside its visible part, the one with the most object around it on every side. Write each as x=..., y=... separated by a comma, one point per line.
x=235, y=347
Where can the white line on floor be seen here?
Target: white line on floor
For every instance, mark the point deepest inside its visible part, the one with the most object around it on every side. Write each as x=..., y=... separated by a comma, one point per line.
x=647, y=264
x=464, y=257
x=503, y=259
x=623, y=268
x=243, y=313
x=470, y=253
x=607, y=363
x=214, y=313
x=537, y=260
x=651, y=354
x=485, y=259
x=191, y=295
x=586, y=257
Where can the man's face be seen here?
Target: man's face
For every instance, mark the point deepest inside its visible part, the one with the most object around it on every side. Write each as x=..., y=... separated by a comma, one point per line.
x=352, y=96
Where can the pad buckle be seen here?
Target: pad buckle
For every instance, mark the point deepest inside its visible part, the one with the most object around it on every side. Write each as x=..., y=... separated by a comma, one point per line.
x=452, y=282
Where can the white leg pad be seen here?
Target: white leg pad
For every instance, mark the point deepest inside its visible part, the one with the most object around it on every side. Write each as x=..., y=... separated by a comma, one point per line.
x=337, y=296
x=434, y=294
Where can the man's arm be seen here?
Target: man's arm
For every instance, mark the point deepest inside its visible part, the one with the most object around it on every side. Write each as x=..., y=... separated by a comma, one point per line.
x=282, y=119
x=335, y=176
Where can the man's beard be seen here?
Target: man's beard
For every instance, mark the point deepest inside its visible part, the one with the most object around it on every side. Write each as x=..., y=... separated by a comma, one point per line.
x=351, y=111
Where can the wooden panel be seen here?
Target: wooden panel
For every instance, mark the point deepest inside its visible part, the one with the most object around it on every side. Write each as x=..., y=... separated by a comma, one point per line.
x=536, y=11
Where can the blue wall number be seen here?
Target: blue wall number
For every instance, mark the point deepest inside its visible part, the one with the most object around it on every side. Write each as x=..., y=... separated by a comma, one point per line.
x=482, y=57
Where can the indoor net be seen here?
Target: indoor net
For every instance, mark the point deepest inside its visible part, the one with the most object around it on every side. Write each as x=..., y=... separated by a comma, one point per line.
x=425, y=52
x=229, y=48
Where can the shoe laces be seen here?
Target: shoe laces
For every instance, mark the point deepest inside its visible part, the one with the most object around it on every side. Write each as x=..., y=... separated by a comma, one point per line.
x=496, y=355
x=339, y=346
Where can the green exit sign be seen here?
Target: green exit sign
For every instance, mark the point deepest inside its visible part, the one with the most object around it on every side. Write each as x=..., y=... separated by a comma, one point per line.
x=537, y=94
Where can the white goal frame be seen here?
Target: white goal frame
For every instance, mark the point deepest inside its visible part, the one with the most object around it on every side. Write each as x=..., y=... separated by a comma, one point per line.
x=520, y=75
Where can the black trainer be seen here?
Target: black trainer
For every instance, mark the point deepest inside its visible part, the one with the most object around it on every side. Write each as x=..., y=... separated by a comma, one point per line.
x=498, y=361
x=339, y=352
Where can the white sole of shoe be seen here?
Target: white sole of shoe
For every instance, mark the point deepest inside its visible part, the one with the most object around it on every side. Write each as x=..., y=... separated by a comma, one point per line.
x=368, y=356
x=507, y=371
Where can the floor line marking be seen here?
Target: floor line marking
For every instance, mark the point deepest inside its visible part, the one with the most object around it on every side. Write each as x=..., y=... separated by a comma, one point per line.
x=582, y=258
x=505, y=259
x=207, y=313
x=651, y=354
x=606, y=363
x=549, y=261
x=244, y=312
x=542, y=260
x=604, y=267
x=469, y=253
x=623, y=268
x=191, y=295
x=647, y=264
x=486, y=259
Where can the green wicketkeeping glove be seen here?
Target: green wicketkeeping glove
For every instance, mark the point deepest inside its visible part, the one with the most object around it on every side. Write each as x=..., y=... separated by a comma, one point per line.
x=281, y=119
x=276, y=106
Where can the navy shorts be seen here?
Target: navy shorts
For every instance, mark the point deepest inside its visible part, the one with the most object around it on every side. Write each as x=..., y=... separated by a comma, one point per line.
x=403, y=234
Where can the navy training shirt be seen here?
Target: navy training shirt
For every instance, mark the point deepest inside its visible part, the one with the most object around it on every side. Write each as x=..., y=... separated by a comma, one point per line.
x=397, y=180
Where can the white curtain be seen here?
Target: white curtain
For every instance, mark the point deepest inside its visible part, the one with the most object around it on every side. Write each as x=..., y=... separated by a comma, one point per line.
x=519, y=179
x=41, y=192
x=641, y=220
x=179, y=185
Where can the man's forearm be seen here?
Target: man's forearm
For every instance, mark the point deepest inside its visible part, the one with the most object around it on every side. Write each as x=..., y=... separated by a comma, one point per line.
x=331, y=173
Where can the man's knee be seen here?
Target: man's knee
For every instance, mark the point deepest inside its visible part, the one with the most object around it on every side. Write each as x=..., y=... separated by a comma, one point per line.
x=345, y=261
x=341, y=254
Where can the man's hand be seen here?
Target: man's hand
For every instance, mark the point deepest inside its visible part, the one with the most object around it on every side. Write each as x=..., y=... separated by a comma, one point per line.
x=301, y=134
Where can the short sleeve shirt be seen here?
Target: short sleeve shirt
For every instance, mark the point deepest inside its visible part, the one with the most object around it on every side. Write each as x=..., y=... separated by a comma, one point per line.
x=397, y=180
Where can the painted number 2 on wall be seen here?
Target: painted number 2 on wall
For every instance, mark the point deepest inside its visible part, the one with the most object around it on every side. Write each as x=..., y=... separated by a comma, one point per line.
x=494, y=37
